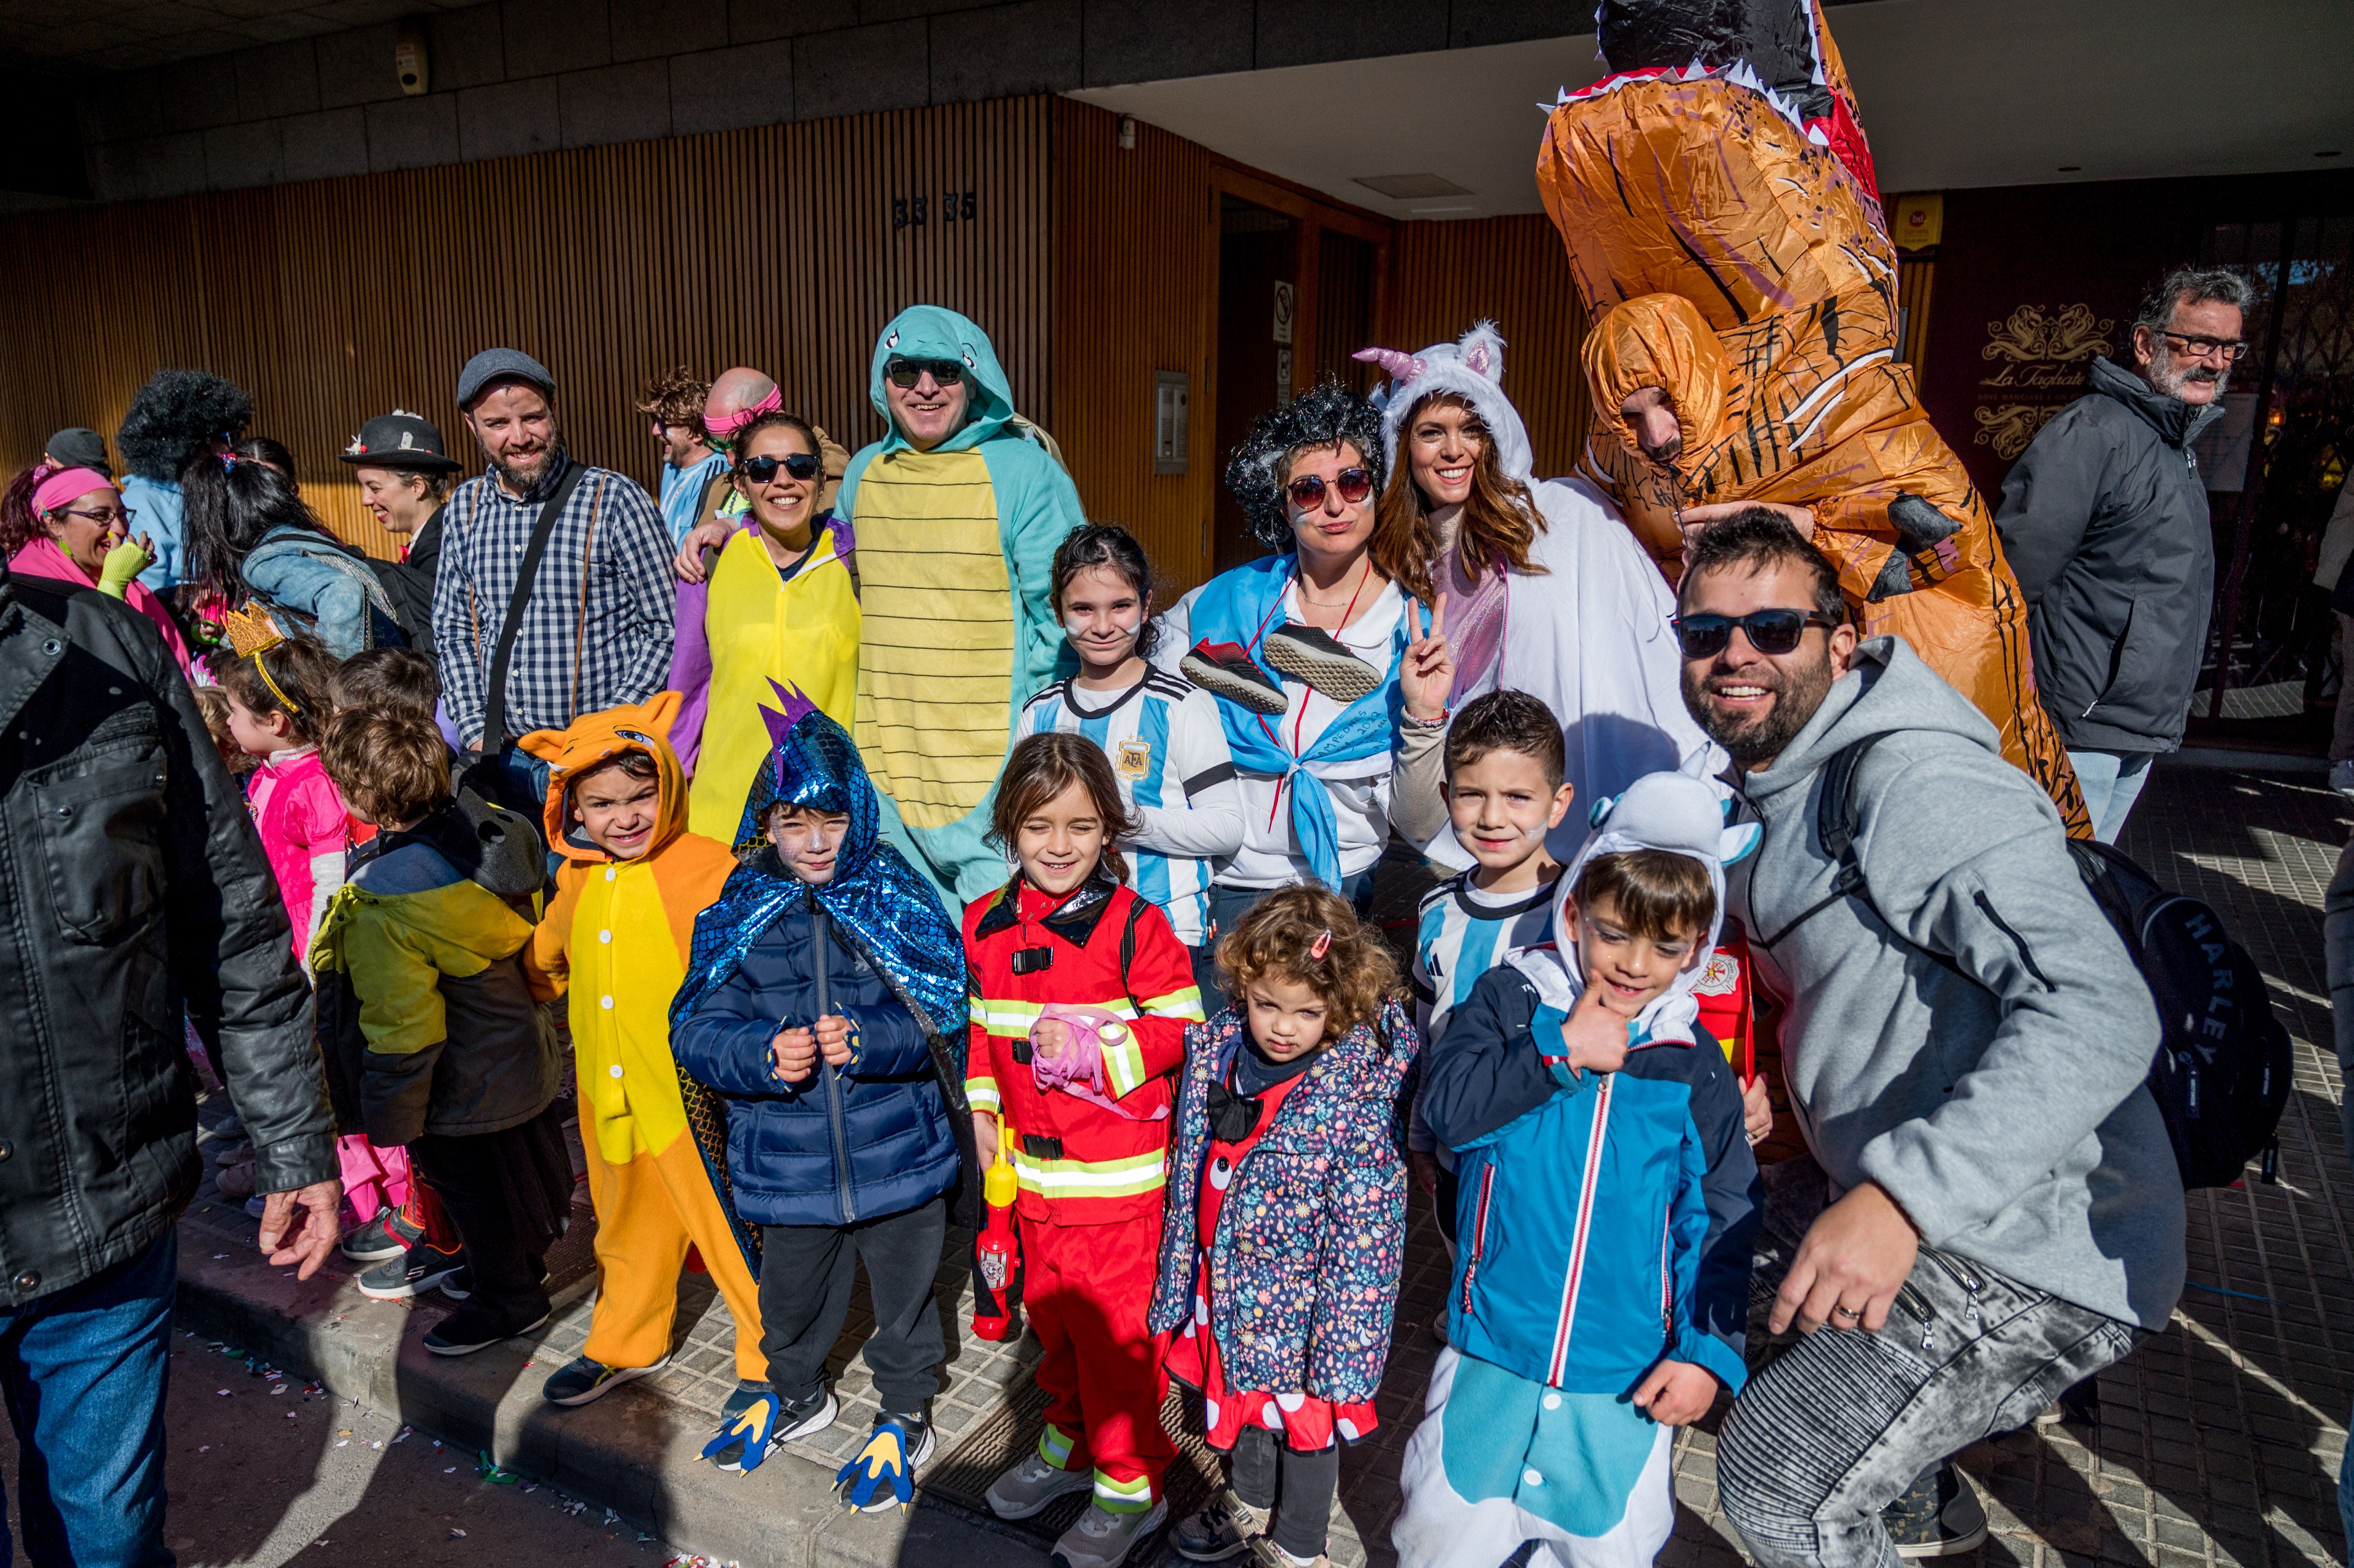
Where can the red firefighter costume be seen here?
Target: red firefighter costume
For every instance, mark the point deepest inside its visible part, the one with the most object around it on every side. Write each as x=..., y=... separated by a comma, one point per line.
x=1091, y=1179
x=1729, y=245
x=618, y=934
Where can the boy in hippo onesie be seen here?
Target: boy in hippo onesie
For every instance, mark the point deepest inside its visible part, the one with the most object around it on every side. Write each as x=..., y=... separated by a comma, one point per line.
x=1643, y=1242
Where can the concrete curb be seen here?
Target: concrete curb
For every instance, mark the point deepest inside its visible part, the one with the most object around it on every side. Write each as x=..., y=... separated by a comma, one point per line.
x=631, y=1451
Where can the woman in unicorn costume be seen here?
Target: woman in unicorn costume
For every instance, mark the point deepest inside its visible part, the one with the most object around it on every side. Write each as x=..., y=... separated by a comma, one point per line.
x=1538, y=585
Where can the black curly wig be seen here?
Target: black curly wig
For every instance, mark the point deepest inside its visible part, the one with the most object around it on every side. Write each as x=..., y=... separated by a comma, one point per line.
x=174, y=417
x=1324, y=415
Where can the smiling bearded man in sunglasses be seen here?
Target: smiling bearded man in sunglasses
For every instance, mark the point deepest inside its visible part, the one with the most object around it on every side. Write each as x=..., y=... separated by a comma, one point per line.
x=1991, y=1210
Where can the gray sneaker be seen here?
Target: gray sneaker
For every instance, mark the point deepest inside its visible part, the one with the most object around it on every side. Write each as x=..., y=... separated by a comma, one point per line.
x=1030, y=1486
x=1102, y=1539
x=584, y=1380
x=1224, y=1528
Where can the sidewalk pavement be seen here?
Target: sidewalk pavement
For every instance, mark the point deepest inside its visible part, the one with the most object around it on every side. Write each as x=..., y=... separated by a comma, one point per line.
x=2219, y=1442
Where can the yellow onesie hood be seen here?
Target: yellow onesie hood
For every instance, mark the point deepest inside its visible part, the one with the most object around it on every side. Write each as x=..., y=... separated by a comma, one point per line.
x=597, y=738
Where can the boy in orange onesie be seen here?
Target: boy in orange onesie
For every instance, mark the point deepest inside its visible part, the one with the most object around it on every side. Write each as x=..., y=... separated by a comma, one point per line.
x=620, y=931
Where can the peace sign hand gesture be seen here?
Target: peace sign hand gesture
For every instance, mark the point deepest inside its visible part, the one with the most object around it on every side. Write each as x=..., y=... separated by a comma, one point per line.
x=1426, y=674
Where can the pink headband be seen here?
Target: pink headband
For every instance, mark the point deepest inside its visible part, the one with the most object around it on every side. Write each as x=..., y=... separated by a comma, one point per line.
x=728, y=424
x=65, y=484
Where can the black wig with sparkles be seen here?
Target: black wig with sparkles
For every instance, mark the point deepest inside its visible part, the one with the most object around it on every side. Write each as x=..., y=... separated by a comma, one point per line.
x=1324, y=415
x=174, y=417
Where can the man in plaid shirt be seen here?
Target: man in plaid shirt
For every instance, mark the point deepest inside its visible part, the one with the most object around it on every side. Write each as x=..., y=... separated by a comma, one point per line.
x=596, y=628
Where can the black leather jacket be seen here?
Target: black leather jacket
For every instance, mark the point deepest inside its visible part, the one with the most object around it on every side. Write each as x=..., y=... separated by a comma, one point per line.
x=132, y=888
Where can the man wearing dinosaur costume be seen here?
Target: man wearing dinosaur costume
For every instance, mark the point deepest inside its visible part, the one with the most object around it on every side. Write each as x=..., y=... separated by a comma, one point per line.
x=1723, y=223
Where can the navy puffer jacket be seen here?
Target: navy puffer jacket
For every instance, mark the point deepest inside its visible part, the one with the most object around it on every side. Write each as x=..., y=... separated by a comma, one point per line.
x=870, y=1140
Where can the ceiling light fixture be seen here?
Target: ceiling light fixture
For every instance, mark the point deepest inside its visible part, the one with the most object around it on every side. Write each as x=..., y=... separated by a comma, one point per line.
x=1411, y=187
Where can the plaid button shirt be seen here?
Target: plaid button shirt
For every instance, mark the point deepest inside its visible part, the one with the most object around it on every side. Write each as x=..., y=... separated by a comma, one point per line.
x=597, y=629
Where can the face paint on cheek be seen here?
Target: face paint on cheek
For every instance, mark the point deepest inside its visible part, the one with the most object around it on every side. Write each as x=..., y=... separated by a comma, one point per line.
x=1123, y=628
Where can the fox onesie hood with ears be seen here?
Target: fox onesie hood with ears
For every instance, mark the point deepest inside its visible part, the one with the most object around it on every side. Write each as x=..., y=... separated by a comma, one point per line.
x=956, y=549
x=619, y=930
x=1718, y=203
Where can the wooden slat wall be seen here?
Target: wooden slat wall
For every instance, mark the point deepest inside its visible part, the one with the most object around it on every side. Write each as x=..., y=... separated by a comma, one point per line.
x=1445, y=276
x=337, y=299
x=1136, y=284
x=1914, y=279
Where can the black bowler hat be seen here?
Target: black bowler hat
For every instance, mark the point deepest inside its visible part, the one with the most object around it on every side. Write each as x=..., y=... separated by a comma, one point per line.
x=399, y=439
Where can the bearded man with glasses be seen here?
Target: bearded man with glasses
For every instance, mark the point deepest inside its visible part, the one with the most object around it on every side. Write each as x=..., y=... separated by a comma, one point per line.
x=1988, y=1212
x=2104, y=519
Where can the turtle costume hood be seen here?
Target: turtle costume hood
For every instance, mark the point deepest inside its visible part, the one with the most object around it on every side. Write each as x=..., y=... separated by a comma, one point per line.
x=935, y=331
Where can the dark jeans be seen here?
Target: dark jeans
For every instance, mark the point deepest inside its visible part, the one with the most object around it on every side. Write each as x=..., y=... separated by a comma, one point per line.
x=469, y=1177
x=1229, y=904
x=1844, y=1421
x=1268, y=1473
x=83, y=1371
x=805, y=1274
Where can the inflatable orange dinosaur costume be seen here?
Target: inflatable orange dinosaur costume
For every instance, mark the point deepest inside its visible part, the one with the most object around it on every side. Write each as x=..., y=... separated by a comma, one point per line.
x=1725, y=227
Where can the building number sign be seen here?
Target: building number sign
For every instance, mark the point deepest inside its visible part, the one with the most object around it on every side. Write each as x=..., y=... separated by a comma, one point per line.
x=914, y=212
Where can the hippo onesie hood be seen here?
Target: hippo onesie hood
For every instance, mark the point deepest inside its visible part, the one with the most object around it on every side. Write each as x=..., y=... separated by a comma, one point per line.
x=956, y=548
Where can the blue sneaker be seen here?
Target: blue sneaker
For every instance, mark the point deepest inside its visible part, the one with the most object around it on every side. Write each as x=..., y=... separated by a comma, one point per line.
x=883, y=1475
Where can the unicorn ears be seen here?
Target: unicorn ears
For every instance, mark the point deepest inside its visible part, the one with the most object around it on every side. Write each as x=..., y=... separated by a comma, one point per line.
x=1739, y=843
x=1483, y=351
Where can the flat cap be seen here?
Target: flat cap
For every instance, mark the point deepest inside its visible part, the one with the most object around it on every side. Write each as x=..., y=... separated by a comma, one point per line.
x=501, y=365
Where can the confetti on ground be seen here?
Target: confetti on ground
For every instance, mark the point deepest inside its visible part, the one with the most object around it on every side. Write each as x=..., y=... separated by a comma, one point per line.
x=611, y=1517
x=223, y=1393
x=205, y=1449
x=218, y=1256
x=451, y=1470
x=457, y=1535
x=342, y=1442
x=488, y=1470
x=404, y=1434
x=292, y=1415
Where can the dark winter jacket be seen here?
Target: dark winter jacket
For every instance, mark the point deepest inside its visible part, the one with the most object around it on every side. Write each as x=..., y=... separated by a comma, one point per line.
x=2104, y=521
x=1603, y=1221
x=1311, y=1234
x=856, y=1143
x=132, y=886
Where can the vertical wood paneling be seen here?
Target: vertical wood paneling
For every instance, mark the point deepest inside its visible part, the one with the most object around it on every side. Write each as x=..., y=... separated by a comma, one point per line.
x=337, y=299
x=1445, y=276
x=1136, y=271
x=1913, y=290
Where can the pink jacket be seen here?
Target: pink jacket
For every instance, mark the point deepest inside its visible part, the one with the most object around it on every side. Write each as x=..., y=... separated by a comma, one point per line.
x=301, y=821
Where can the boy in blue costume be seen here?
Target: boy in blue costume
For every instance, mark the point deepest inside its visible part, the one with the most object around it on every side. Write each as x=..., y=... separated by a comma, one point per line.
x=819, y=1040
x=1606, y=1201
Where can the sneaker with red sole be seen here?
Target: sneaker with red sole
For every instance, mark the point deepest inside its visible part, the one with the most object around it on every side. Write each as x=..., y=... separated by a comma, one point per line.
x=1226, y=670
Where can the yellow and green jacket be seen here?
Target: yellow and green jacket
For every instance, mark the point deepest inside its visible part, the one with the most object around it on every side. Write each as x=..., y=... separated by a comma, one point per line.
x=426, y=1011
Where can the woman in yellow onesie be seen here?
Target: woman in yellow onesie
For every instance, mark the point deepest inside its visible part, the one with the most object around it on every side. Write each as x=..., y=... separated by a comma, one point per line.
x=618, y=934
x=779, y=605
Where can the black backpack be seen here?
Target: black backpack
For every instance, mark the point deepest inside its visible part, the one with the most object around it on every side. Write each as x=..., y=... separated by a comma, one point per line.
x=2222, y=1073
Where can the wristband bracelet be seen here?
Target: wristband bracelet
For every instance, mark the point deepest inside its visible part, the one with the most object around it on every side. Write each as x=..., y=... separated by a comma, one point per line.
x=1438, y=723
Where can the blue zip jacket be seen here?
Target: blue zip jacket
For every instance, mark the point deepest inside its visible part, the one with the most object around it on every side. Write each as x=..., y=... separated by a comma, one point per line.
x=869, y=1140
x=1603, y=1220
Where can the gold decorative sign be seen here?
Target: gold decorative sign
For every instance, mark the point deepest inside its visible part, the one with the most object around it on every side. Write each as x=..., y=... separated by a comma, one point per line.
x=2038, y=353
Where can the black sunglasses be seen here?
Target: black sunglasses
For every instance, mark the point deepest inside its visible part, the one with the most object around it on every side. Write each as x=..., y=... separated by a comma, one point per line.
x=763, y=470
x=905, y=373
x=1354, y=484
x=1770, y=632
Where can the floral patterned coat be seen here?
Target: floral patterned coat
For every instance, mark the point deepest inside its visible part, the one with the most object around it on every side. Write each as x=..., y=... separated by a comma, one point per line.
x=1311, y=1237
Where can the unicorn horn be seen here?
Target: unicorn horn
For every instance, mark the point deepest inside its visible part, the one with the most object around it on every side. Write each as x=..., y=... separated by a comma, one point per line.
x=1401, y=366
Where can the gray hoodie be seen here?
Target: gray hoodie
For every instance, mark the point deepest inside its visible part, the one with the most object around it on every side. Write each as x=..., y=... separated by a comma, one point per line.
x=2005, y=1110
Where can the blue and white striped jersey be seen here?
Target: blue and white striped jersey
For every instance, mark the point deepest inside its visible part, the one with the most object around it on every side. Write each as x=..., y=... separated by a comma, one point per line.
x=1462, y=934
x=1168, y=751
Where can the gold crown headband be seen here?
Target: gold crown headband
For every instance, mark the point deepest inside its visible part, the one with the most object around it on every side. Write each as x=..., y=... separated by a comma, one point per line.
x=252, y=633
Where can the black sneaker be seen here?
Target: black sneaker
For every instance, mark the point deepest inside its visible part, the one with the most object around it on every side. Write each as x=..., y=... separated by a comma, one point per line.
x=584, y=1380
x=1226, y=670
x=386, y=1236
x=1937, y=1516
x=732, y=1450
x=882, y=1475
x=476, y=1326
x=461, y=1284
x=1314, y=658
x=420, y=1269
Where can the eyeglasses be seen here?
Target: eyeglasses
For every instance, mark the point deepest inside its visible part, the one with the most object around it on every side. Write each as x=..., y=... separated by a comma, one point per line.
x=905, y=373
x=763, y=470
x=2232, y=348
x=1354, y=484
x=1770, y=632
x=103, y=519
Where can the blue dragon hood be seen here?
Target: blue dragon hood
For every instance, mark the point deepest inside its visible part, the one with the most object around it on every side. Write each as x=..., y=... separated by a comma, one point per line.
x=935, y=331
x=875, y=898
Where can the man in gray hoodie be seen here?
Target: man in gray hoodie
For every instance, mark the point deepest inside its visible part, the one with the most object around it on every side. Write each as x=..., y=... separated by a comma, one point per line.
x=1964, y=1045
